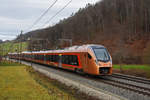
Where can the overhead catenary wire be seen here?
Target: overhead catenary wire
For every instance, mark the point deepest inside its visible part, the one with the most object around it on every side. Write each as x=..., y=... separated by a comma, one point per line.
x=44, y=15
x=56, y=13
x=36, y=21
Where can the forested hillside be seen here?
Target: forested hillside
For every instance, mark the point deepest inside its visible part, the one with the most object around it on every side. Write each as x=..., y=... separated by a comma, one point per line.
x=123, y=26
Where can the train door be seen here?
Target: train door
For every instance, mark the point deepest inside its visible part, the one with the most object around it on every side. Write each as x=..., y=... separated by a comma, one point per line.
x=44, y=58
x=90, y=64
x=86, y=63
x=60, y=60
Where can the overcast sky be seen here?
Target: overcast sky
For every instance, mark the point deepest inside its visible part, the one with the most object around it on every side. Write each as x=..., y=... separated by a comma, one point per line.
x=17, y=15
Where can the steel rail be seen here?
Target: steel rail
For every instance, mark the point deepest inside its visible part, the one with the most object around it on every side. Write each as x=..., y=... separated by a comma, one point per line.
x=126, y=87
x=131, y=78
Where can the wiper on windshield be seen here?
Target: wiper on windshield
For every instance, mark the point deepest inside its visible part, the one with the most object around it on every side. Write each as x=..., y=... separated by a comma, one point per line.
x=105, y=56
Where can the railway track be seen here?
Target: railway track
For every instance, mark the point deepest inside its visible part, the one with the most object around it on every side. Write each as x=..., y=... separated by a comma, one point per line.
x=127, y=86
x=132, y=78
x=119, y=85
x=123, y=85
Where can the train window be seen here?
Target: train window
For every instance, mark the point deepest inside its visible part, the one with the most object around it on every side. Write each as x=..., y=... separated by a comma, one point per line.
x=30, y=56
x=47, y=57
x=75, y=60
x=38, y=57
x=52, y=58
x=67, y=59
x=34, y=57
x=41, y=57
x=57, y=58
x=89, y=56
x=62, y=60
x=70, y=59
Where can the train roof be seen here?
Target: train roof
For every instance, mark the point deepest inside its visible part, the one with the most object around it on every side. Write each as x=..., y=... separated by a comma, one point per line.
x=82, y=48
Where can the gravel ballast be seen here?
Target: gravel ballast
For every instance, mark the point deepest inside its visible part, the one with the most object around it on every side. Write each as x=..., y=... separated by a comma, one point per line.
x=70, y=80
x=81, y=87
x=89, y=86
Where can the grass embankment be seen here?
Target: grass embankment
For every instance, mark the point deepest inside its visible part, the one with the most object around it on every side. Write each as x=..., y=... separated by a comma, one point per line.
x=9, y=63
x=20, y=82
x=137, y=70
x=12, y=47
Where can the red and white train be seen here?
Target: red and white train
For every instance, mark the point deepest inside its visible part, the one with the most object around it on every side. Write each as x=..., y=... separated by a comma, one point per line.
x=90, y=59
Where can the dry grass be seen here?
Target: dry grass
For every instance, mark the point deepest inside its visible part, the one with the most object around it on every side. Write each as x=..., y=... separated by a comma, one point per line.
x=20, y=82
x=17, y=84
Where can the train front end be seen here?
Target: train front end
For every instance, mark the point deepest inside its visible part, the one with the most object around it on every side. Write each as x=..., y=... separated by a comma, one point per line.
x=102, y=61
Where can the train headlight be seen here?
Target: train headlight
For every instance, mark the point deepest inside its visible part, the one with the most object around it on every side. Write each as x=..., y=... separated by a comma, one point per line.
x=111, y=62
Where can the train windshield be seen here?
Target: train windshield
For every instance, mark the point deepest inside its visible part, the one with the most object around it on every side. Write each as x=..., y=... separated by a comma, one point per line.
x=101, y=54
